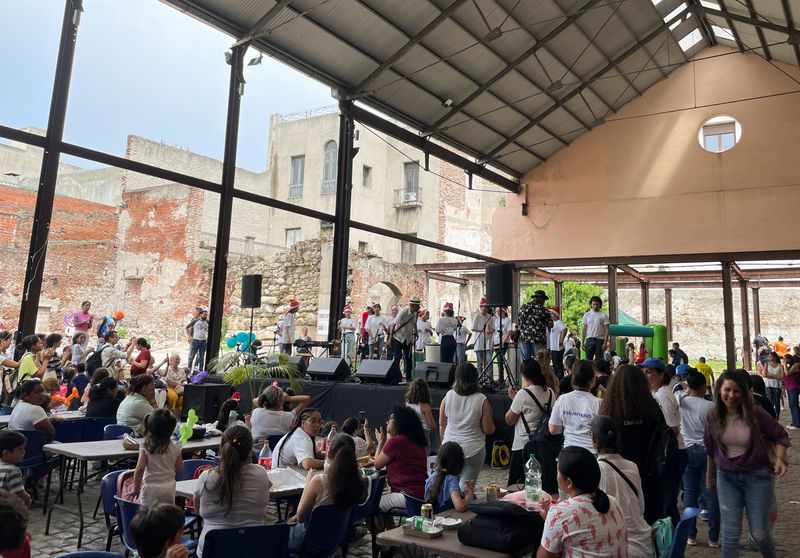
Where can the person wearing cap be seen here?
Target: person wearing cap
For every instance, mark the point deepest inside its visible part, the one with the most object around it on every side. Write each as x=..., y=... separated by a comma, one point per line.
x=462, y=335
x=376, y=328
x=389, y=322
x=483, y=327
x=555, y=341
x=403, y=333
x=445, y=329
x=199, y=341
x=681, y=371
x=595, y=330
x=658, y=380
x=286, y=327
x=347, y=332
x=533, y=321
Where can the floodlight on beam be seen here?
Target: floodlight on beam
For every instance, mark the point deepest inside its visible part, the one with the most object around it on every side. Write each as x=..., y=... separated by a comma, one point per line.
x=553, y=87
x=494, y=33
x=599, y=121
x=256, y=61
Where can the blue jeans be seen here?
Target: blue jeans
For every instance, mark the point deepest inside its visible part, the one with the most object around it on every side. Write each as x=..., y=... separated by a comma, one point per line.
x=348, y=342
x=794, y=405
x=379, y=342
x=461, y=352
x=752, y=492
x=483, y=360
x=197, y=349
x=406, y=352
x=694, y=485
x=594, y=347
x=528, y=349
x=774, y=395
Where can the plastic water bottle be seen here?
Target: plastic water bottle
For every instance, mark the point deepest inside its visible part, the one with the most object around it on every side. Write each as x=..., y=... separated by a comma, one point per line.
x=533, y=483
x=265, y=456
x=329, y=439
x=233, y=416
x=420, y=523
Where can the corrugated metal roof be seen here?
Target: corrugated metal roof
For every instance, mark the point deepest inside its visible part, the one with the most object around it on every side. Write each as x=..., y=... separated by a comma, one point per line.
x=509, y=82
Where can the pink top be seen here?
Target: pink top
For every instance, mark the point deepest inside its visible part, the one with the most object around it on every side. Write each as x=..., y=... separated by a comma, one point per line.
x=81, y=321
x=736, y=436
x=791, y=382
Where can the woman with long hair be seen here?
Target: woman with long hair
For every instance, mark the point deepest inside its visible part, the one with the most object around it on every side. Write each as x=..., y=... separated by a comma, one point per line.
x=418, y=397
x=574, y=411
x=103, y=400
x=746, y=452
x=365, y=445
x=636, y=415
x=587, y=523
x=298, y=448
x=544, y=358
x=340, y=485
x=620, y=478
x=531, y=402
x=791, y=381
x=235, y=493
x=773, y=375
x=32, y=364
x=143, y=359
x=465, y=418
x=269, y=417
x=401, y=451
x=138, y=403
x=441, y=488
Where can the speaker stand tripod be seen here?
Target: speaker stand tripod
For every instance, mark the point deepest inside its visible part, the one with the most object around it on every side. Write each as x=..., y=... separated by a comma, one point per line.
x=499, y=357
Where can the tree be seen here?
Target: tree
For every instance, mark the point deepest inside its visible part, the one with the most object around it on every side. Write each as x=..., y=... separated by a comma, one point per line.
x=575, y=300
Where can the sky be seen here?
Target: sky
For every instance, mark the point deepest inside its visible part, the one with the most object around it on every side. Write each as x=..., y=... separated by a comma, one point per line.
x=143, y=68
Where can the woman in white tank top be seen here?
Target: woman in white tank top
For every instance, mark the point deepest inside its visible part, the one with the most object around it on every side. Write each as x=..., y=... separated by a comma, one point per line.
x=773, y=378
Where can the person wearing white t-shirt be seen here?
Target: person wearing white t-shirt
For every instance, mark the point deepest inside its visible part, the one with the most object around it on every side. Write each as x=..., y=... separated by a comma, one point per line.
x=390, y=320
x=595, y=330
x=376, y=331
x=424, y=329
x=28, y=413
x=286, y=327
x=620, y=478
x=347, y=332
x=462, y=335
x=555, y=342
x=501, y=322
x=298, y=448
x=659, y=381
x=573, y=412
x=483, y=327
x=694, y=408
x=268, y=417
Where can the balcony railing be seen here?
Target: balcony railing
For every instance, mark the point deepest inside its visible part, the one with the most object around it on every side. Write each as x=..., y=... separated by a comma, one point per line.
x=295, y=191
x=328, y=186
x=407, y=198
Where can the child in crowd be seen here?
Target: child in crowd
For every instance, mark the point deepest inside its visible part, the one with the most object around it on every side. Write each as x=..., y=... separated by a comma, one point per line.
x=418, y=397
x=14, y=542
x=441, y=487
x=159, y=459
x=223, y=419
x=80, y=380
x=12, y=451
x=157, y=531
x=365, y=445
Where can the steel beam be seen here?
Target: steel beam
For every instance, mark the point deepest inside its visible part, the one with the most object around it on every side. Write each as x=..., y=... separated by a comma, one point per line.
x=745, y=327
x=668, y=311
x=613, y=306
x=787, y=11
x=369, y=118
x=632, y=272
x=48, y=176
x=740, y=275
x=645, y=302
x=558, y=288
x=445, y=278
x=512, y=65
x=732, y=27
x=415, y=40
x=752, y=20
x=23, y=137
x=552, y=108
x=755, y=255
x=702, y=22
x=727, y=303
x=341, y=226
x=756, y=311
x=260, y=27
x=225, y=216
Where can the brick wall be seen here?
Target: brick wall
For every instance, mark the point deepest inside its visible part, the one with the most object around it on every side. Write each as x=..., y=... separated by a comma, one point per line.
x=81, y=255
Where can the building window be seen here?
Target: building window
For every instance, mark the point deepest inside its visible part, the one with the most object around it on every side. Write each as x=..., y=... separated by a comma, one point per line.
x=363, y=247
x=325, y=228
x=249, y=245
x=366, y=176
x=329, y=168
x=411, y=177
x=296, y=180
x=408, y=252
x=719, y=134
x=292, y=236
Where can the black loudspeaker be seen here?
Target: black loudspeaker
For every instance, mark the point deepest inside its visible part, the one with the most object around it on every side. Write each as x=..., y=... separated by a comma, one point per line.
x=437, y=374
x=251, y=291
x=334, y=369
x=499, y=284
x=379, y=372
x=205, y=399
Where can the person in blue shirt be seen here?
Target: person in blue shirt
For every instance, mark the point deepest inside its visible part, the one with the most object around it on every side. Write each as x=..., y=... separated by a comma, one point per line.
x=441, y=488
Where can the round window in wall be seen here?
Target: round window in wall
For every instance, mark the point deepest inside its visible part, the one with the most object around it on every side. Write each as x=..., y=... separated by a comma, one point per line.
x=719, y=134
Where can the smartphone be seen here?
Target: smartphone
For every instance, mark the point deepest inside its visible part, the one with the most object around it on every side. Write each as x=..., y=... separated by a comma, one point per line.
x=362, y=416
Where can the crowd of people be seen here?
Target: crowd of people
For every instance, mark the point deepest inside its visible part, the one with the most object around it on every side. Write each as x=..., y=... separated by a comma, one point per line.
x=623, y=440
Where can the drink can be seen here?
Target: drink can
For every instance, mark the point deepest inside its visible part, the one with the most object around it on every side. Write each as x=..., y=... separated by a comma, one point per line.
x=427, y=511
x=491, y=492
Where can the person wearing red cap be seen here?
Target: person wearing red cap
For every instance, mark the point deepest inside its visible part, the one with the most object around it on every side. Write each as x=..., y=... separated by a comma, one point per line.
x=376, y=332
x=424, y=329
x=347, y=331
x=483, y=326
x=286, y=327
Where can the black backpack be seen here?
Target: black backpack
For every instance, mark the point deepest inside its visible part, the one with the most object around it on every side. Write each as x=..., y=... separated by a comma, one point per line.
x=94, y=361
x=661, y=451
x=542, y=431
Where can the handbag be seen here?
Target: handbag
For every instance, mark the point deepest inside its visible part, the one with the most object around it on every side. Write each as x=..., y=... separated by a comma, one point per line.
x=501, y=526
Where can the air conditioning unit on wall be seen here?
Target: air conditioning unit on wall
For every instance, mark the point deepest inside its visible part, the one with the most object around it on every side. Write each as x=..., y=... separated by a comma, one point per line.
x=409, y=197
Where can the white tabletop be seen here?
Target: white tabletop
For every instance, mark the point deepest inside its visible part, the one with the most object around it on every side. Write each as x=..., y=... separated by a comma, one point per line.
x=285, y=482
x=112, y=449
x=63, y=415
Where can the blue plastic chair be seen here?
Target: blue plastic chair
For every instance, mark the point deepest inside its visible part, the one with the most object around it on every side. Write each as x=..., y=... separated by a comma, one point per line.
x=91, y=554
x=326, y=531
x=681, y=535
x=108, y=491
x=34, y=454
x=263, y=541
x=273, y=440
x=116, y=431
x=125, y=512
x=366, y=511
x=190, y=466
x=70, y=431
x=413, y=507
x=94, y=429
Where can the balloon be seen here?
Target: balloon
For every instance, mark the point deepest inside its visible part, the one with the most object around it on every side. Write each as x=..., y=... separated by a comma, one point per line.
x=231, y=343
x=242, y=337
x=187, y=429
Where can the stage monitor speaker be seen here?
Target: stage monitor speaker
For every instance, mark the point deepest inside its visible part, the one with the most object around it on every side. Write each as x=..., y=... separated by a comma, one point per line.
x=499, y=284
x=251, y=291
x=436, y=374
x=379, y=372
x=205, y=399
x=334, y=369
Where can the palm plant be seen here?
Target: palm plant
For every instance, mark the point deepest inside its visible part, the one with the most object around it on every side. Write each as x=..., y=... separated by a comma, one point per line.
x=257, y=372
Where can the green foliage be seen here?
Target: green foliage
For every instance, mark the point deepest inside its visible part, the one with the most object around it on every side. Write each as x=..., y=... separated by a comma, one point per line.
x=238, y=368
x=223, y=335
x=121, y=331
x=575, y=300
